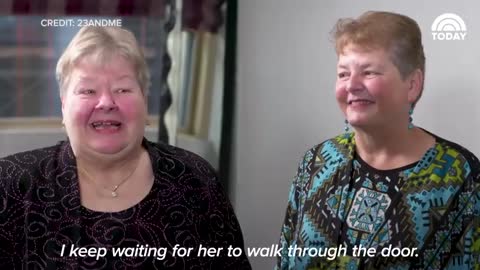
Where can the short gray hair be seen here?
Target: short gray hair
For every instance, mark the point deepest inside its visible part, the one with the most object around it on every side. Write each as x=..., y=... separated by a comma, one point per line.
x=103, y=43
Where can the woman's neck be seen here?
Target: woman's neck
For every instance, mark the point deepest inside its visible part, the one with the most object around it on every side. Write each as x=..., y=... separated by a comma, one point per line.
x=108, y=170
x=390, y=148
x=118, y=186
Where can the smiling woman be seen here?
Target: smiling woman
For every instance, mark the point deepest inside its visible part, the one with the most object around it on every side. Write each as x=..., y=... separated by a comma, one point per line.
x=30, y=107
x=107, y=187
x=103, y=82
x=388, y=186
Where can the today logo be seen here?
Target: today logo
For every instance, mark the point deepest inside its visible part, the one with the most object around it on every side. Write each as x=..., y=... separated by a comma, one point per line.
x=449, y=26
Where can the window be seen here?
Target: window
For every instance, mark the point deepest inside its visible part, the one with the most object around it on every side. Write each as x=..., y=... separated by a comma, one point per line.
x=29, y=53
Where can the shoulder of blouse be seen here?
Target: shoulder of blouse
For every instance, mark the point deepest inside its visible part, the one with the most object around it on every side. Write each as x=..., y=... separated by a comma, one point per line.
x=177, y=163
x=461, y=153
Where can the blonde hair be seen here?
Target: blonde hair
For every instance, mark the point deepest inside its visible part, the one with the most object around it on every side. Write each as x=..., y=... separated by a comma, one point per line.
x=102, y=43
x=398, y=34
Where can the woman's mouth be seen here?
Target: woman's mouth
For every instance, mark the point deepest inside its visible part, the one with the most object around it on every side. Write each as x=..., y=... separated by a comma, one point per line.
x=360, y=102
x=106, y=125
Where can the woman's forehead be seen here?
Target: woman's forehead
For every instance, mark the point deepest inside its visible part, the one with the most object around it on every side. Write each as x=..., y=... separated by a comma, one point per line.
x=119, y=67
x=88, y=78
x=363, y=58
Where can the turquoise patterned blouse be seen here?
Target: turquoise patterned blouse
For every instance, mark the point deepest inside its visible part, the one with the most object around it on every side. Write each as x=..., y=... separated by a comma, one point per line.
x=344, y=214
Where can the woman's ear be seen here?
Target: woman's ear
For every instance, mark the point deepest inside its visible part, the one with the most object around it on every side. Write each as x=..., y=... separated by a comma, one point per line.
x=62, y=99
x=415, y=85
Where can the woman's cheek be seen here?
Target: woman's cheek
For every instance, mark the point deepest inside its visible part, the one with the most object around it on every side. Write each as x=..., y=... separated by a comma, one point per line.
x=134, y=109
x=81, y=112
x=340, y=93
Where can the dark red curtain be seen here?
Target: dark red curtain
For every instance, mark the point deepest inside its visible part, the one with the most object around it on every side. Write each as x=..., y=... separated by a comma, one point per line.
x=202, y=15
x=197, y=15
x=83, y=7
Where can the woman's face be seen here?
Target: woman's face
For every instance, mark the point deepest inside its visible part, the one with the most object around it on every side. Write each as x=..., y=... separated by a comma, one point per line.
x=104, y=109
x=370, y=90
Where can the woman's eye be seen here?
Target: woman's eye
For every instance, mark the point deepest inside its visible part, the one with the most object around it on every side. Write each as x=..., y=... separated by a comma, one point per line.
x=342, y=75
x=123, y=91
x=87, y=92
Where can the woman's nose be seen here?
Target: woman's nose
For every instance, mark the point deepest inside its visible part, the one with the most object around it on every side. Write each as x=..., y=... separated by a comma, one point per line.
x=106, y=101
x=354, y=83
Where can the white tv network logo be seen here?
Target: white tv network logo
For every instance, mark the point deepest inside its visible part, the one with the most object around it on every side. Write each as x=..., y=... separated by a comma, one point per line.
x=449, y=26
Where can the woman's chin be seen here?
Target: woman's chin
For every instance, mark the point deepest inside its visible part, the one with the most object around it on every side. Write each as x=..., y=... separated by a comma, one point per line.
x=108, y=148
x=358, y=122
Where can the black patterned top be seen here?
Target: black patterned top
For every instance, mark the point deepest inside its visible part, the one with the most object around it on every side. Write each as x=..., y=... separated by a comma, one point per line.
x=44, y=226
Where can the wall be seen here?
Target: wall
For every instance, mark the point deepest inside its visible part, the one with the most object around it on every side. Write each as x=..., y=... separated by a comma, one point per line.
x=285, y=95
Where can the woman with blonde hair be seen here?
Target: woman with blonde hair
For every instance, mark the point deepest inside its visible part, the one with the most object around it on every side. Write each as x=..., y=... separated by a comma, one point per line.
x=107, y=188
